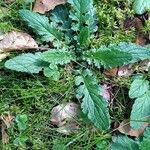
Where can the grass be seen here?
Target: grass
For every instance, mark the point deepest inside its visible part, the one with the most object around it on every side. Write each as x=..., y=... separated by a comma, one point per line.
x=36, y=95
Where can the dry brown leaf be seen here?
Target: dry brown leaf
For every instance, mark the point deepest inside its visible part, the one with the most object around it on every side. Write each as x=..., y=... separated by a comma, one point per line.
x=43, y=6
x=63, y=113
x=17, y=41
x=125, y=128
x=5, y=124
x=111, y=72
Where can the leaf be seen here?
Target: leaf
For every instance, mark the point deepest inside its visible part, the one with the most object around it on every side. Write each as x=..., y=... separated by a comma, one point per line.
x=140, y=111
x=141, y=6
x=124, y=143
x=138, y=88
x=93, y=104
x=145, y=144
x=42, y=6
x=41, y=25
x=117, y=55
x=63, y=113
x=29, y=63
x=21, y=121
x=126, y=129
x=109, y=58
x=58, y=56
x=17, y=41
x=137, y=52
x=52, y=71
x=83, y=13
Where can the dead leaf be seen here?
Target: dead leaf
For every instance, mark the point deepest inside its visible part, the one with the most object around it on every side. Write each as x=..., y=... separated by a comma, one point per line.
x=17, y=41
x=125, y=128
x=3, y=56
x=5, y=124
x=63, y=113
x=43, y=6
x=68, y=129
x=111, y=72
x=125, y=71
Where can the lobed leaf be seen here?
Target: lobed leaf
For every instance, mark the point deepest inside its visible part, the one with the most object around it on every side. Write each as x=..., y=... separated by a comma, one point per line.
x=93, y=104
x=83, y=16
x=109, y=58
x=116, y=55
x=41, y=25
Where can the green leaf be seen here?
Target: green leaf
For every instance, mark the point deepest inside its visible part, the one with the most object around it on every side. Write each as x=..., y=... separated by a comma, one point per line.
x=137, y=52
x=52, y=71
x=109, y=58
x=102, y=145
x=21, y=121
x=117, y=55
x=141, y=6
x=41, y=25
x=140, y=111
x=124, y=143
x=20, y=141
x=58, y=56
x=93, y=104
x=145, y=144
x=138, y=88
x=29, y=63
x=83, y=13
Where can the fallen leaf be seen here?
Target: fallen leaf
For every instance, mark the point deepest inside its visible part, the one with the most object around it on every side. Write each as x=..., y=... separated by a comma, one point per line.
x=17, y=41
x=5, y=124
x=111, y=72
x=125, y=128
x=3, y=56
x=69, y=128
x=43, y=6
x=64, y=116
x=63, y=113
x=125, y=71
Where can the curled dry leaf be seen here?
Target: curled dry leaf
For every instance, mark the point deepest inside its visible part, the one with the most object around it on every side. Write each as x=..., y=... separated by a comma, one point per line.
x=17, y=41
x=43, y=6
x=125, y=128
x=64, y=116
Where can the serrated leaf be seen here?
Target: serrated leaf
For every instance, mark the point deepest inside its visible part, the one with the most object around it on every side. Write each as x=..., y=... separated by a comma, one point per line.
x=109, y=58
x=83, y=13
x=141, y=6
x=140, y=111
x=30, y=63
x=93, y=104
x=138, y=88
x=41, y=25
x=58, y=56
x=138, y=52
x=52, y=71
x=124, y=143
